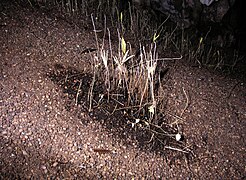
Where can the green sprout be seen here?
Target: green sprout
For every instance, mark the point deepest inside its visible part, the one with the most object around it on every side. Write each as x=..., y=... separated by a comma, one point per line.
x=121, y=17
x=155, y=37
x=201, y=40
x=123, y=45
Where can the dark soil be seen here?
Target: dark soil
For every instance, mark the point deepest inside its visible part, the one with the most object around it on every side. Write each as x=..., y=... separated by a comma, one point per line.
x=44, y=134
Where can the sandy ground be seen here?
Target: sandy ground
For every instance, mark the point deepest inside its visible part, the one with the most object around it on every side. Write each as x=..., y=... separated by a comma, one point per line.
x=44, y=135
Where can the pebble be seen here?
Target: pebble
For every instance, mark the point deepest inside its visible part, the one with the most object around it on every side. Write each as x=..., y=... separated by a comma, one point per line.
x=55, y=164
x=25, y=153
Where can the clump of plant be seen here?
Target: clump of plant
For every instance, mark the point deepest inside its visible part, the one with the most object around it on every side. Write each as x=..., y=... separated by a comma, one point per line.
x=130, y=84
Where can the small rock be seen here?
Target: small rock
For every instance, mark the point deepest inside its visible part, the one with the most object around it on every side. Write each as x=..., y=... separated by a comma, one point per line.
x=55, y=164
x=25, y=153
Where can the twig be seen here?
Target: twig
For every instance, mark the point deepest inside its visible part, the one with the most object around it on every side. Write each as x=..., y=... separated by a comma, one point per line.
x=164, y=132
x=156, y=132
x=129, y=107
x=169, y=59
x=178, y=118
x=152, y=136
x=161, y=59
x=68, y=77
x=101, y=151
x=95, y=31
x=187, y=102
x=88, y=50
x=117, y=101
x=175, y=116
x=78, y=91
x=114, y=110
x=30, y=3
x=176, y=149
x=91, y=91
x=233, y=87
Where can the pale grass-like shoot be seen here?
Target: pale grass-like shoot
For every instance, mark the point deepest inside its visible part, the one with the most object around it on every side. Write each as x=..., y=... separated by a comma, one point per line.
x=121, y=69
x=104, y=56
x=121, y=72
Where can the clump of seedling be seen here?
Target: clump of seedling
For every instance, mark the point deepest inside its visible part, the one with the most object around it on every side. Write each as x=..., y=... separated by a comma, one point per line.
x=130, y=83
